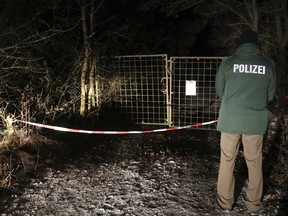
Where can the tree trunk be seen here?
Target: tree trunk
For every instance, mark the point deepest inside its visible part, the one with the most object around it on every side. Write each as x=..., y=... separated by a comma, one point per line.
x=85, y=61
x=253, y=14
x=91, y=93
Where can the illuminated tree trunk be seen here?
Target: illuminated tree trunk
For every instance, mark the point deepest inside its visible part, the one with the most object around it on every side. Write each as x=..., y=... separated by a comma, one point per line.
x=85, y=61
x=91, y=93
x=97, y=91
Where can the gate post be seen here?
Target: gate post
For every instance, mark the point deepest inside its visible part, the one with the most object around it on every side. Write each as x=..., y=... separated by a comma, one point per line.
x=169, y=91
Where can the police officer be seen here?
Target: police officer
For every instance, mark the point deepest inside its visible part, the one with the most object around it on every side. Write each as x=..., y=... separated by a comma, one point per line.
x=245, y=82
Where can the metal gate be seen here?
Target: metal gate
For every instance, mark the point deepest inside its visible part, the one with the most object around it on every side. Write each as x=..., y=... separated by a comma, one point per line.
x=192, y=92
x=142, y=97
x=172, y=91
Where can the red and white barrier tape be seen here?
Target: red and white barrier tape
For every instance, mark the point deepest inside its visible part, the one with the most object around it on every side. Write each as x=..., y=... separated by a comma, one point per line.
x=114, y=132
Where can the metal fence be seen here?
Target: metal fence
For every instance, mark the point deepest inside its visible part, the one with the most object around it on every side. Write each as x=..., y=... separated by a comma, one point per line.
x=172, y=91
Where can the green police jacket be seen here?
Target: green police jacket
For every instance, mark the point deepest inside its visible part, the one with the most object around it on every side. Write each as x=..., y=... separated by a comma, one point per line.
x=245, y=82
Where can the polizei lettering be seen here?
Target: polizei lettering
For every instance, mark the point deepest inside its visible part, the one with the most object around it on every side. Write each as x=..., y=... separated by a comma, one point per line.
x=246, y=68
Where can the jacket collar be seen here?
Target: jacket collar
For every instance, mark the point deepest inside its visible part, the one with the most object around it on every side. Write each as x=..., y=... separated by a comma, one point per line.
x=247, y=48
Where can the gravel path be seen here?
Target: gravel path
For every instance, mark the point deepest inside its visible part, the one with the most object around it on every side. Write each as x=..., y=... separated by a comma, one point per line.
x=132, y=175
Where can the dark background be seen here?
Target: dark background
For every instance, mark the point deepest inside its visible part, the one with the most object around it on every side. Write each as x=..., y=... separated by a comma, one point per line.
x=44, y=43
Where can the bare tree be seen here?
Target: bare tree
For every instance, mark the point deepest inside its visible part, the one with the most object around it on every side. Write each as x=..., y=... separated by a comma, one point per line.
x=89, y=59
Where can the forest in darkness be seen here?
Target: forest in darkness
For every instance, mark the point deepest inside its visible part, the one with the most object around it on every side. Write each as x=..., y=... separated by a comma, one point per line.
x=44, y=44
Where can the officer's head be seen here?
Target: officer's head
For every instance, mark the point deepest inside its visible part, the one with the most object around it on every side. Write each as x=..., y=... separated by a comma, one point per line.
x=248, y=37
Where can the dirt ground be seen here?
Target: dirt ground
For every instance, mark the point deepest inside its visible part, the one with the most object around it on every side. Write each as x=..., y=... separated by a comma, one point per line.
x=169, y=173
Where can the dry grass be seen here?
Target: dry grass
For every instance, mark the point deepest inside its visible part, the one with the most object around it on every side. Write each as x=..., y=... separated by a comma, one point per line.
x=6, y=173
x=20, y=161
x=21, y=138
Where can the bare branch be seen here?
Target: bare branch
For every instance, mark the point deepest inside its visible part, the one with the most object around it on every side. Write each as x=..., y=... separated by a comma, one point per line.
x=234, y=11
x=251, y=7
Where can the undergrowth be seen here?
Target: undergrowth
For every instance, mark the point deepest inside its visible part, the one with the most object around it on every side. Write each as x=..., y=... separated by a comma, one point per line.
x=15, y=162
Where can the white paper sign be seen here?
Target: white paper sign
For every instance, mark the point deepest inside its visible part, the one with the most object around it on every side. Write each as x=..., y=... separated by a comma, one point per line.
x=191, y=87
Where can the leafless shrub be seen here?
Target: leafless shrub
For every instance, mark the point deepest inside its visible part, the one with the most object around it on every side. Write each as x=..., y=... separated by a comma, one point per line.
x=16, y=134
x=7, y=170
x=20, y=139
x=109, y=89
